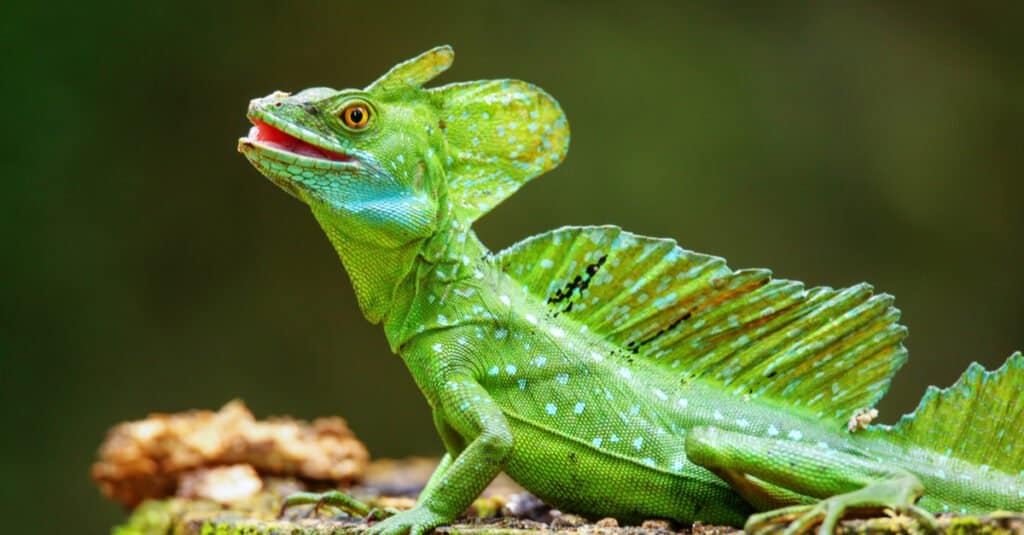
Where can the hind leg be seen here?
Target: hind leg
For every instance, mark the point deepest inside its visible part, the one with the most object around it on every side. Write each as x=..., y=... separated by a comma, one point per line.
x=768, y=472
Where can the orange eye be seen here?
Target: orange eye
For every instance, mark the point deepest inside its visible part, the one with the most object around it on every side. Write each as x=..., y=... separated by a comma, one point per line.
x=356, y=115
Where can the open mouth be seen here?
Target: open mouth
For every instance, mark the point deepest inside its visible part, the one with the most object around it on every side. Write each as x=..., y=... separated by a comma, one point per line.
x=278, y=140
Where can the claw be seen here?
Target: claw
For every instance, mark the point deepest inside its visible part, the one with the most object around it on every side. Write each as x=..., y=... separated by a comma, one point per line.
x=380, y=513
x=897, y=495
x=331, y=498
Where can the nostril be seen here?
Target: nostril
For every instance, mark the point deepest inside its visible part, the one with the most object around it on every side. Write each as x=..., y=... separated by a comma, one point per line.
x=277, y=104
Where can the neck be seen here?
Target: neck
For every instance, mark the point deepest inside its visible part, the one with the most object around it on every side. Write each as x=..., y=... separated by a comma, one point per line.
x=454, y=253
x=388, y=280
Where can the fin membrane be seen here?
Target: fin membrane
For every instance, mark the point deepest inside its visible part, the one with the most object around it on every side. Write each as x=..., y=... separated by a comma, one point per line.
x=979, y=419
x=500, y=134
x=825, y=352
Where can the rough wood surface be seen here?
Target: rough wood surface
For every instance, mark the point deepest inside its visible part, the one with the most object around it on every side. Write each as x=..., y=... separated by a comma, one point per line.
x=197, y=489
x=493, y=515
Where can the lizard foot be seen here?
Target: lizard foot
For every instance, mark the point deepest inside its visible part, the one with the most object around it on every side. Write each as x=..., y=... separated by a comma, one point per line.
x=416, y=521
x=896, y=495
x=334, y=498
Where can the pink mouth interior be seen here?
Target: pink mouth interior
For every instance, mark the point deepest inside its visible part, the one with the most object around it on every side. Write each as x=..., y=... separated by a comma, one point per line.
x=278, y=139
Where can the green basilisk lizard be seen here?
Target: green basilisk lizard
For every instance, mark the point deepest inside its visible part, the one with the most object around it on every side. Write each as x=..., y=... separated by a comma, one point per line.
x=613, y=374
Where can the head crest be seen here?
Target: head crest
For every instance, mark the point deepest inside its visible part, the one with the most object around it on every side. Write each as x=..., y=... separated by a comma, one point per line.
x=415, y=72
x=498, y=134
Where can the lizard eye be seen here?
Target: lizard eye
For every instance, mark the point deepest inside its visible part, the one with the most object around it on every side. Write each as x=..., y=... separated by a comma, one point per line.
x=356, y=115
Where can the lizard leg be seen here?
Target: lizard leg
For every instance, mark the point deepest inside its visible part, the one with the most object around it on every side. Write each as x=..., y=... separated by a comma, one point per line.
x=846, y=483
x=466, y=412
x=354, y=507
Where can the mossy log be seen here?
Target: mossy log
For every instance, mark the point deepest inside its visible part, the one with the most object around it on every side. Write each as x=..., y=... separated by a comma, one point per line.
x=219, y=466
x=177, y=516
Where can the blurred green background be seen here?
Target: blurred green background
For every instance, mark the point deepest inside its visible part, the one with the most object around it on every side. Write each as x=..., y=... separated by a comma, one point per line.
x=147, y=267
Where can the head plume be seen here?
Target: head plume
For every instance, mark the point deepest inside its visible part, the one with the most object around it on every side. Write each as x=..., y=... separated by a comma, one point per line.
x=498, y=134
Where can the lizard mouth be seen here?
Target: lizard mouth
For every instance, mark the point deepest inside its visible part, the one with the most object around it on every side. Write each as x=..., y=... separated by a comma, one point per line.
x=288, y=147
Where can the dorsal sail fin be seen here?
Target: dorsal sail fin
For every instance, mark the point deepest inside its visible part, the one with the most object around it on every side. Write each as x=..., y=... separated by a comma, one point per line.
x=826, y=352
x=979, y=418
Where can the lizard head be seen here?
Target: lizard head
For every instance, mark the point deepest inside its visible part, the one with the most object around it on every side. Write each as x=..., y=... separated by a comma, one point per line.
x=384, y=159
x=386, y=167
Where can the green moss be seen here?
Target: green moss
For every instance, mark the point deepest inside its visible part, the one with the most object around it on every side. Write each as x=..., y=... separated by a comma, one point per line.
x=151, y=517
x=965, y=525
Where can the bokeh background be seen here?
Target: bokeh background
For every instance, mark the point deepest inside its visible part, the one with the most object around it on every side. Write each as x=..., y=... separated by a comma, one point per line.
x=146, y=267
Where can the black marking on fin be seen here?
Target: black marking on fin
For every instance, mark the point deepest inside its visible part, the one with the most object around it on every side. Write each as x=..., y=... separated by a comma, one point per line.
x=577, y=285
x=635, y=346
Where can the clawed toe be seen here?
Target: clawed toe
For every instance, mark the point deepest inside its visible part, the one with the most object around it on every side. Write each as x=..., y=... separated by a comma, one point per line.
x=331, y=498
x=826, y=516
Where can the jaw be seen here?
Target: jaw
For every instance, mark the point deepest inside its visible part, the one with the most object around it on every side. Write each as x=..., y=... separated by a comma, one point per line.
x=290, y=156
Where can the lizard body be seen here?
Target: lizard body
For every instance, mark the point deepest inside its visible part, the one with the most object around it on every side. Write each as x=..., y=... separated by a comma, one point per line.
x=609, y=373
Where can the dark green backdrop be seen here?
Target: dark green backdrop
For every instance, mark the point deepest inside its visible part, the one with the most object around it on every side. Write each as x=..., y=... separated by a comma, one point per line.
x=147, y=267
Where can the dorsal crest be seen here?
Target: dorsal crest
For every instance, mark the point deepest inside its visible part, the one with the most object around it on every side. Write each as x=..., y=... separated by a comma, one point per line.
x=749, y=334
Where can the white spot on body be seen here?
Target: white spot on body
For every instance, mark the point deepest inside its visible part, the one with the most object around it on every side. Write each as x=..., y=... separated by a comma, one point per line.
x=546, y=263
x=624, y=372
x=795, y=434
x=578, y=409
x=562, y=379
x=505, y=300
x=510, y=369
x=531, y=319
x=522, y=384
x=493, y=370
x=557, y=333
x=551, y=409
x=638, y=443
x=597, y=442
x=437, y=348
x=683, y=402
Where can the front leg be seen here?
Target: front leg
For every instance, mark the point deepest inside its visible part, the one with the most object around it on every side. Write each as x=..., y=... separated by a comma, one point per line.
x=468, y=410
x=335, y=498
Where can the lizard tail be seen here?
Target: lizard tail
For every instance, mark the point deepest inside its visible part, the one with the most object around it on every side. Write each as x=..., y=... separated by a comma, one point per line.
x=979, y=419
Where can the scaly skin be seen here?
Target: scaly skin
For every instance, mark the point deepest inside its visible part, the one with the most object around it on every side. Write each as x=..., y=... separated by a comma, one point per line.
x=611, y=374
